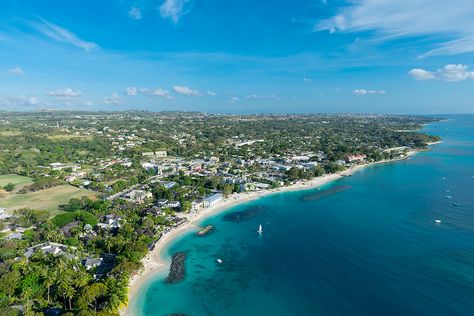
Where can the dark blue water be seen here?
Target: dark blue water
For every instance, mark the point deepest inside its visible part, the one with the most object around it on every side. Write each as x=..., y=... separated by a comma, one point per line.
x=372, y=248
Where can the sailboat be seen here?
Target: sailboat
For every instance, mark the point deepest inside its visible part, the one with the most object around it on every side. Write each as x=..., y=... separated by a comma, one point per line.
x=260, y=229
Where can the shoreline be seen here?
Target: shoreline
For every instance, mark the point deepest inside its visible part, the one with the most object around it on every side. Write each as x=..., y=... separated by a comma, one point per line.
x=154, y=263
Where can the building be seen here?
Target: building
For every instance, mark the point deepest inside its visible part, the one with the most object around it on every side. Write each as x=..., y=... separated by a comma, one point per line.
x=355, y=158
x=138, y=196
x=91, y=263
x=50, y=248
x=212, y=200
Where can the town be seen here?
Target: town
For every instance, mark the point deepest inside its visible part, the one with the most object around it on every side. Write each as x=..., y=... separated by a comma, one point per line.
x=85, y=195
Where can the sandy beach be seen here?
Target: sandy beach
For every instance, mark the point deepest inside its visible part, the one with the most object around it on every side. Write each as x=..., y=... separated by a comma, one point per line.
x=154, y=262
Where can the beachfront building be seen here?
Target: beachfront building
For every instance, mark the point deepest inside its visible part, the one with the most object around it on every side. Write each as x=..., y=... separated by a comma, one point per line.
x=354, y=158
x=212, y=200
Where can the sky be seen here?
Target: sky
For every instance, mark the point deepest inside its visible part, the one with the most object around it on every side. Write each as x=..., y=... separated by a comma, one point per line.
x=247, y=56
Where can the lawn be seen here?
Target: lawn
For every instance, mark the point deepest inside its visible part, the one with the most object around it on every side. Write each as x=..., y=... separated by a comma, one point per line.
x=49, y=199
x=15, y=179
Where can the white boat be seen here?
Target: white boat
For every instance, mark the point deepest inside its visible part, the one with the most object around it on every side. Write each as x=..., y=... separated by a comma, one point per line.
x=260, y=229
x=448, y=197
x=437, y=221
x=219, y=260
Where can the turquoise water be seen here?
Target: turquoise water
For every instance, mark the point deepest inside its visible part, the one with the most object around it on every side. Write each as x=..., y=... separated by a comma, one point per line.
x=371, y=248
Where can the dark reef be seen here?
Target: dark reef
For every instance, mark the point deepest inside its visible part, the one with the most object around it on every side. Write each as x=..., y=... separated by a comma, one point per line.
x=177, y=268
x=245, y=214
x=323, y=194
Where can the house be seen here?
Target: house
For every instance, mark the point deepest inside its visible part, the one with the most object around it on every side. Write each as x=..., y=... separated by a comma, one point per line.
x=91, y=263
x=56, y=166
x=355, y=158
x=168, y=184
x=197, y=205
x=50, y=248
x=138, y=196
x=212, y=200
x=310, y=165
x=173, y=204
x=261, y=186
x=111, y=221
x=161, y=154
x=161, y=202
x=17, y=235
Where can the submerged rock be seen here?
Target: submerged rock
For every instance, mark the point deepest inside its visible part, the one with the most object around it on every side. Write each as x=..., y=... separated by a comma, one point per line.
x=245, y=214
x=177, y=268
x=322, y=194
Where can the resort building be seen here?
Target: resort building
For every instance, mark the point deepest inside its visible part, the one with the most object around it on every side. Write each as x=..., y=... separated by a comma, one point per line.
x=212, y=200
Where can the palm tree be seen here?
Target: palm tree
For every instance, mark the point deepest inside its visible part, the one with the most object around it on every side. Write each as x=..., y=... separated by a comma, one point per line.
x=49, y=279
x=109, y=243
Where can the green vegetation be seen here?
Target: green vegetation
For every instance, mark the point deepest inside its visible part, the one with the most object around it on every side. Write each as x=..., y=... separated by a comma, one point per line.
x=14, y=179
x=48, y=199
x=89, y=193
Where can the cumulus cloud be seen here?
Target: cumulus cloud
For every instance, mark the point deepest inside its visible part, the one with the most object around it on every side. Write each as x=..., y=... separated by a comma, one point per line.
x=234, y=99
x=389, y=19
x=184, y=90
x=135, y=13
x=21, y=100
x=306, y=79
x=17, y=71
x=211, y=93
x=173, y=9
x=64, y=92
x=366, y=92
x=63, y=35
x=158, y=92
x=131, y=91
x=113, y=99
x=449, y=72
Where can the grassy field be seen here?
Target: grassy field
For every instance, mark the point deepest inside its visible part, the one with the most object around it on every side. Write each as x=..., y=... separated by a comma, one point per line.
x=49, y=199
x=15, y=179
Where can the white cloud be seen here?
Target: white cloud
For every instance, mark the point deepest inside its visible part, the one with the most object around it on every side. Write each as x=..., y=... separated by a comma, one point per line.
x=20, y=101
x=64, y=92
x=184, y=90
x=135, y=13
x=211, y=93
x=113, y=99
x=63, y=35
x=449, y=72
x=173, y=9
x=305, y=79
x=158, y=92
x=17, y=71
x=265, y=96
x=366, y=92
x=450, y=20
x=234, y=99
x=131, y=91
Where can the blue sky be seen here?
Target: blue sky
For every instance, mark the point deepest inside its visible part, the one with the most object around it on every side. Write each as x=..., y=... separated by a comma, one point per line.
x=247, y=56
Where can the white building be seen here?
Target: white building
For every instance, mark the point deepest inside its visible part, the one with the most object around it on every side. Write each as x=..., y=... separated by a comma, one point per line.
x=212, y=200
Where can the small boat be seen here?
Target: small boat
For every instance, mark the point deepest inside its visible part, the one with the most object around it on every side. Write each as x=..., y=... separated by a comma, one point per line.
x=456, y=204
x=444, y=178
x=447, y=191
x=448, y=197
x=437, y=221
x=260, y=229
x=219, y=260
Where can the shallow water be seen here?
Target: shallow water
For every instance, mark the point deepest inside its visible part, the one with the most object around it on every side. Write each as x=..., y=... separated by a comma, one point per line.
x=373, y=249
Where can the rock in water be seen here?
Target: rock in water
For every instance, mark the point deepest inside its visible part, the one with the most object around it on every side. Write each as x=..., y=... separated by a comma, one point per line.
x=177, y=268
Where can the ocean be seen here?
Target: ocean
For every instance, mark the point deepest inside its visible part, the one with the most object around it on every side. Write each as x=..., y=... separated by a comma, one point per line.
x=363, y=245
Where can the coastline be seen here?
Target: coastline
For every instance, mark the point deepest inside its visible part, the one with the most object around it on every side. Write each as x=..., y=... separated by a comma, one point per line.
x=154, y=263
